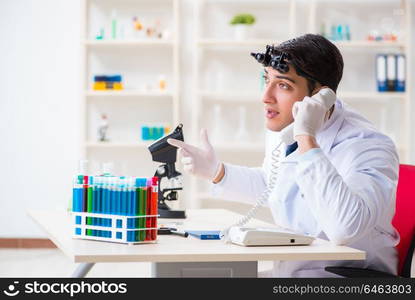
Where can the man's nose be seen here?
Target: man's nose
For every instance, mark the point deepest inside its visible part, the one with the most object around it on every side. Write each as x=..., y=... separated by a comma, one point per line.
x=268, y=96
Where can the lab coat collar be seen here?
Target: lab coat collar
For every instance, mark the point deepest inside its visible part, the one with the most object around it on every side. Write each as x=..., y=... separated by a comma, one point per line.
x=326, y=136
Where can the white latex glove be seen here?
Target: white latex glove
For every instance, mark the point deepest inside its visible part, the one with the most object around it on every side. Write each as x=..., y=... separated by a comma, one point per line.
x=310, y=114
x=202, y=161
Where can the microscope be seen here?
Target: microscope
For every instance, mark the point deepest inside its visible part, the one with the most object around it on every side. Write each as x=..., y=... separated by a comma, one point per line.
x=163, y=152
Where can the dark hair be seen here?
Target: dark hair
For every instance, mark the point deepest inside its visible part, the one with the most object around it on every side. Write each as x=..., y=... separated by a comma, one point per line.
x=315, y=58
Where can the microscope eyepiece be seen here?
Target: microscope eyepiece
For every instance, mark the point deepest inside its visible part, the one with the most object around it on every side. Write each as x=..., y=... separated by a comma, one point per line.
x=161, y=151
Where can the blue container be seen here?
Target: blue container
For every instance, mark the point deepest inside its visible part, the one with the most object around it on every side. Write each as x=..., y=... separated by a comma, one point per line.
x=145, y=133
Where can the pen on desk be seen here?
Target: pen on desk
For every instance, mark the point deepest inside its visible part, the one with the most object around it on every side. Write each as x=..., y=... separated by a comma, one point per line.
x=183, y=234
x=169, y=230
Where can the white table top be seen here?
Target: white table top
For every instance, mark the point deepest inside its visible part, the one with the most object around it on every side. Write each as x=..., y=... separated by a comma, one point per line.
x=173, y=248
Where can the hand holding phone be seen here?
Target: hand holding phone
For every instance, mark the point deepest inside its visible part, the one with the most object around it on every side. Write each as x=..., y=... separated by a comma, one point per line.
x=309, y=115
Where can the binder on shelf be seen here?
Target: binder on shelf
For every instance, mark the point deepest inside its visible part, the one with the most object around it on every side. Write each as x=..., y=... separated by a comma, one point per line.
x=400, y=72
x=391, y=72
x=381, y=72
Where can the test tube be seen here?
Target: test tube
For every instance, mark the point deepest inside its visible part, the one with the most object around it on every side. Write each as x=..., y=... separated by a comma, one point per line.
x=132, y=208
x=100, y=188
x=89, y=203
x=128, y=197
x=143, y=210
x=148, y=210
x=95, y=202
x=139, y=206
x=121, y=195
x=154, y=206
x=105, y=202
x=77, y=195
x=125, y=198
x=112, y=200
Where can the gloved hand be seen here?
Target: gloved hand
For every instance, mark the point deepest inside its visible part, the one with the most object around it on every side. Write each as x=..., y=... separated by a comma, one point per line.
x=202, y=161
x=310, y=114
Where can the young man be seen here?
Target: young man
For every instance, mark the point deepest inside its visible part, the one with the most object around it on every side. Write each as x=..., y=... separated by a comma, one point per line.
x=337, y=182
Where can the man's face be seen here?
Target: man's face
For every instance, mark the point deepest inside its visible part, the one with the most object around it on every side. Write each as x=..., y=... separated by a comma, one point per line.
x=281, y=92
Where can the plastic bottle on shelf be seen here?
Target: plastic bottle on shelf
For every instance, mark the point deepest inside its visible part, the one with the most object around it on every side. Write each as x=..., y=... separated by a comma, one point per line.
x=114, y=24
x=162, y=82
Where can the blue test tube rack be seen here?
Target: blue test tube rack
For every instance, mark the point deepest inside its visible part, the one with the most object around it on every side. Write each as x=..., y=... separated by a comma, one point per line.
x=118, y=232
x=115, y=209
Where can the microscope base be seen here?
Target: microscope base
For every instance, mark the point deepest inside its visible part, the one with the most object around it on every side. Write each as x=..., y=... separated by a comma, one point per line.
x=172, y=214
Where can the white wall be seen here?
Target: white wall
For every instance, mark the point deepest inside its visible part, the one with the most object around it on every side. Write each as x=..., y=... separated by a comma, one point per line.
x=39, y=112
x=39, y=106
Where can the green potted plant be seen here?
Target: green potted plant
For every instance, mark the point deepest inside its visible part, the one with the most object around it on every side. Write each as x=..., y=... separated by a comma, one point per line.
x=241, y=23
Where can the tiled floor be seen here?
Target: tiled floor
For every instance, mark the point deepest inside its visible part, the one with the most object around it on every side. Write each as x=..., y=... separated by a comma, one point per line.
x=53, y=263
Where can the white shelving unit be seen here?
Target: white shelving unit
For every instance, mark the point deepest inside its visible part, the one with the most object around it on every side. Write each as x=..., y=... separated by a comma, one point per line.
x=132, y=43
x=223, y=42
x=223, y=75
x=210, y=44
x=117, y=145
x=402, y=10
x=130, y=93
x=130, y=55
x=300, y=18
x=370, y=44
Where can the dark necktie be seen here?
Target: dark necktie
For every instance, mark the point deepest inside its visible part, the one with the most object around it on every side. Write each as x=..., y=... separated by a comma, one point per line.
x=291, y=148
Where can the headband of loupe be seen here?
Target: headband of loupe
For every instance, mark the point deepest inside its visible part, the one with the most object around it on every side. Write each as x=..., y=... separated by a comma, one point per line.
x=279, y=61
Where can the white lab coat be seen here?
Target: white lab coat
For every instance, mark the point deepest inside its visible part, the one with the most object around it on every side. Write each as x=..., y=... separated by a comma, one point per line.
x=343, y=192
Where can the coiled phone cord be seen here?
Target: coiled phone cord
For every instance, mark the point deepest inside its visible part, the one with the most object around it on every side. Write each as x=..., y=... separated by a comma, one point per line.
x=275, y=162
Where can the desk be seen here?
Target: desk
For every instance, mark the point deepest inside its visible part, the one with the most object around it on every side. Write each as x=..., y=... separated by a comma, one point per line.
x=175, y=256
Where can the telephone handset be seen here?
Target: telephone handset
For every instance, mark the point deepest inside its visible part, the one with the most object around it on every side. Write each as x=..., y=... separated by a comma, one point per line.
x=326, y=97
x=287, y=134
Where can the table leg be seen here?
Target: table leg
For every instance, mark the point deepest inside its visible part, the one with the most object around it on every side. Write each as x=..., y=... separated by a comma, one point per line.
x=205, y=269
x=82, y=270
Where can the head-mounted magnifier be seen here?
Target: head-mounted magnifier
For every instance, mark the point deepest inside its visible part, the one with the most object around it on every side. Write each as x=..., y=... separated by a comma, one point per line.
x=273, y=58
x=278, y=60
